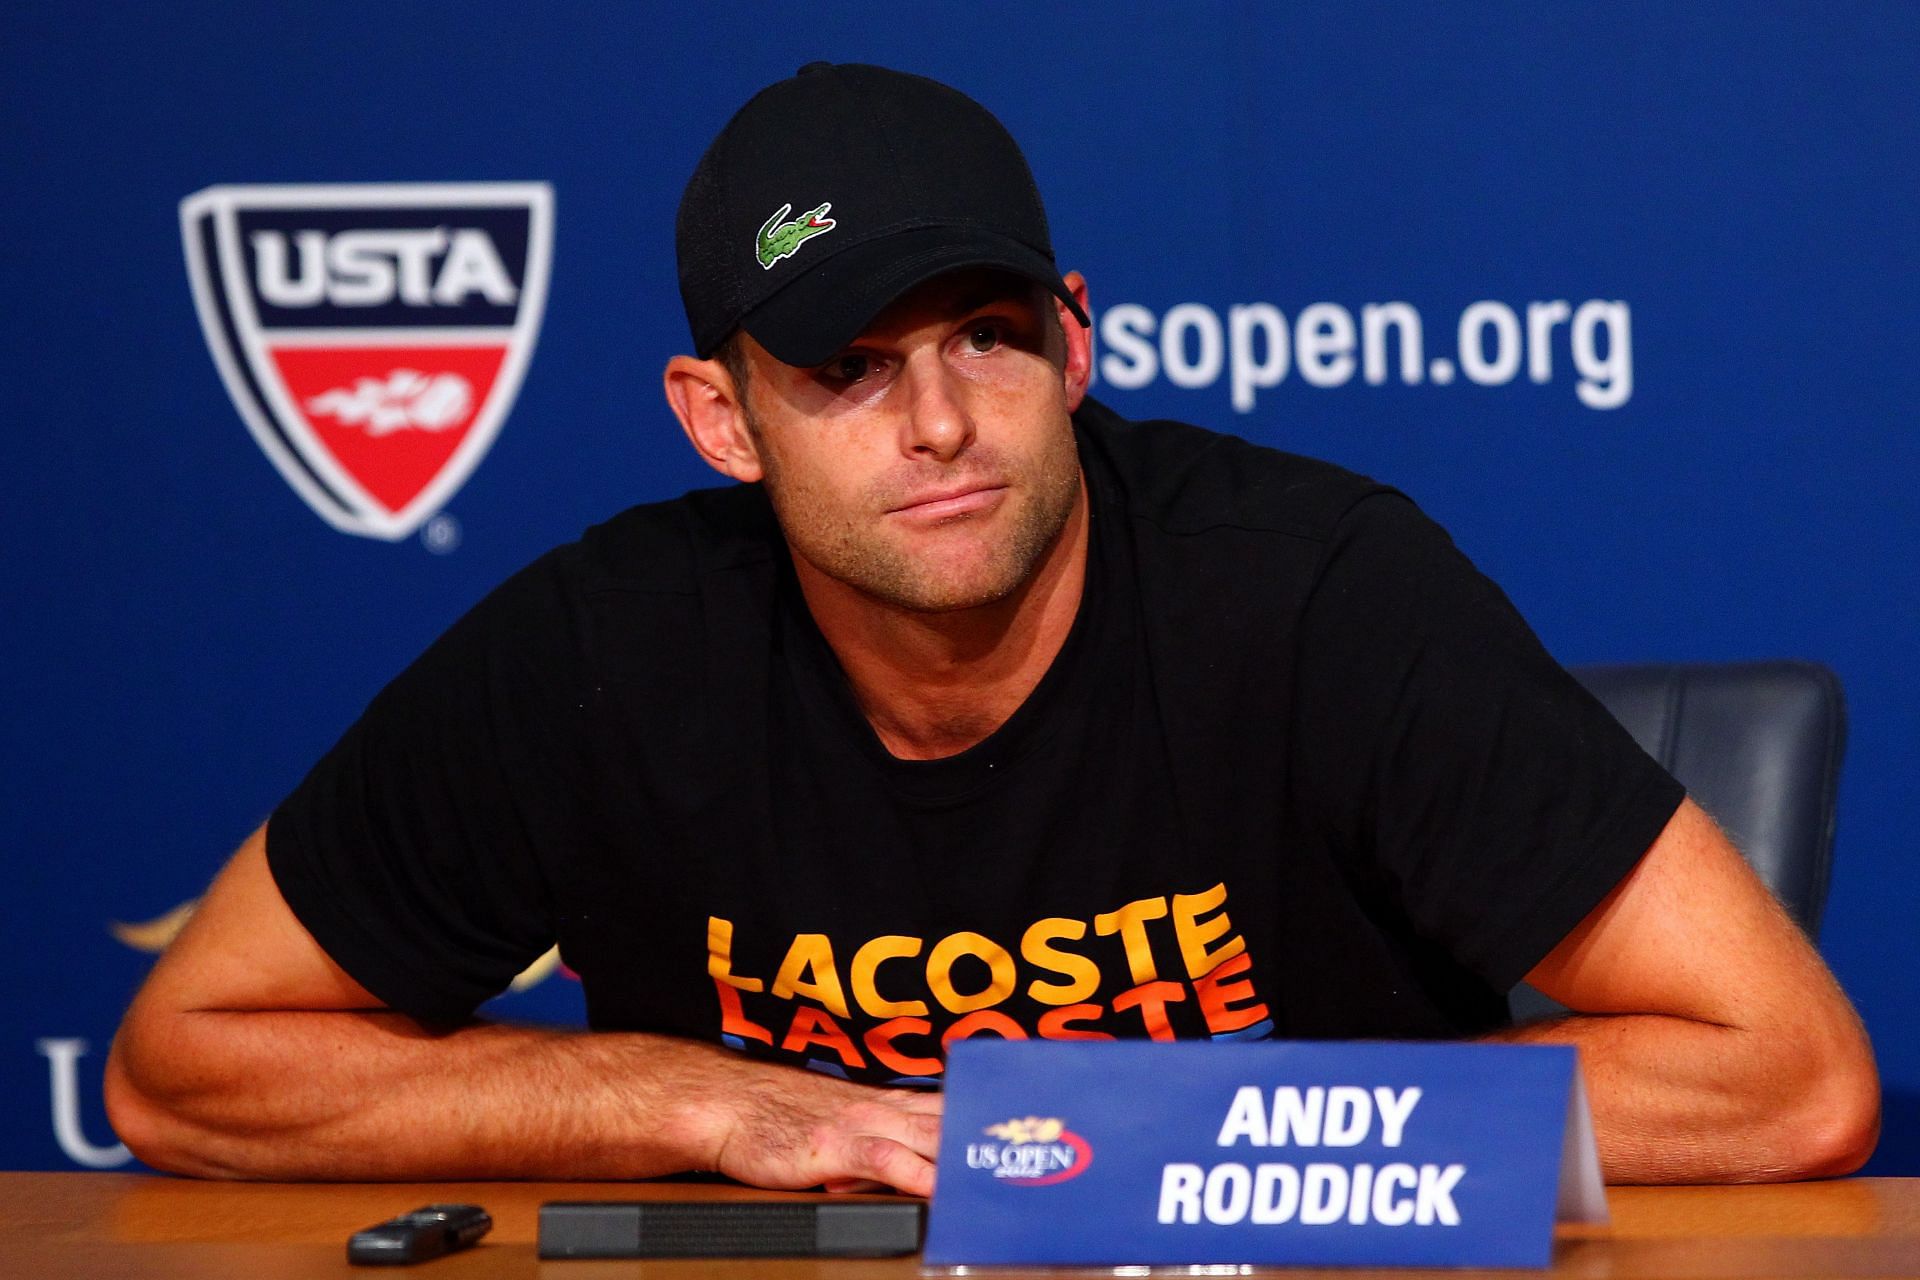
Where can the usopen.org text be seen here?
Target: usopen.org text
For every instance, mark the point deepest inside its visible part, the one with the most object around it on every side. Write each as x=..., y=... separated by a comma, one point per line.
x=1257, y=347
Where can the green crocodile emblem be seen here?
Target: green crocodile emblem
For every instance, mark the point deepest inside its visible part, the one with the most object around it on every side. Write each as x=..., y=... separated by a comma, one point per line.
x=779, y=239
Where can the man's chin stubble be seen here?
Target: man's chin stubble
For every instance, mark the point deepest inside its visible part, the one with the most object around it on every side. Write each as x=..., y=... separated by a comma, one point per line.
x=895, y=579
x=892, y=575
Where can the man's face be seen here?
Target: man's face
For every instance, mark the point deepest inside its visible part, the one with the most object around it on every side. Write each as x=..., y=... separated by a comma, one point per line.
x=930, y=465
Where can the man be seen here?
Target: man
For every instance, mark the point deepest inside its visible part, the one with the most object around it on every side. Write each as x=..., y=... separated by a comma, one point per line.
x=973, y=711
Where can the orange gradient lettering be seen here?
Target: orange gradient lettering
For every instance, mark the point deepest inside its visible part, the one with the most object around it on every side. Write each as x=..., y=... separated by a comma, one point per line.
x=1194, y=934
x=880, y=1043
x=862, y=974
x=720, y=955
x=1082, y=974
x=1057, y=1024
x=811, y=1026
x=940, y=972
x=733, y=1021
x=1217, y=997
x=983, y=1020
x=1130, y=922
x=1152, y=1000
x=808, y=971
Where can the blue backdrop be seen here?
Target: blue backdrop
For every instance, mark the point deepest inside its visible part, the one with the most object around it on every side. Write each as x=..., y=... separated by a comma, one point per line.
x=1659, y=262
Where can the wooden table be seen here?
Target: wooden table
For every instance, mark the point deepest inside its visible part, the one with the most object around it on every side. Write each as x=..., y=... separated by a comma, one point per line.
x=107, y=1225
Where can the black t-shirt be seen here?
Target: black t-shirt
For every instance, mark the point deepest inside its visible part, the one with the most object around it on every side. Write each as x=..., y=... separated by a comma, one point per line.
x=1298, y=771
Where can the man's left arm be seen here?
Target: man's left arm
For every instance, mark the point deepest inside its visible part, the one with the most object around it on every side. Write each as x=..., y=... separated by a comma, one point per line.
x=1716, y=1045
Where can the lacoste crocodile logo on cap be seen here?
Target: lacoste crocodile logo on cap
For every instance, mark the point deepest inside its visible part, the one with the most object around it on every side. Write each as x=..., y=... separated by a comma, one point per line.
x=779, y=239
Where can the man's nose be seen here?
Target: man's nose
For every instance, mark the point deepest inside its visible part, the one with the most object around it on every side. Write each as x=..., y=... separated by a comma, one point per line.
x=938, y=424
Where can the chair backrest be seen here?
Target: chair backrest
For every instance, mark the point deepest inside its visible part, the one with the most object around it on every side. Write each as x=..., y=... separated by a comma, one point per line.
x=1758, y=746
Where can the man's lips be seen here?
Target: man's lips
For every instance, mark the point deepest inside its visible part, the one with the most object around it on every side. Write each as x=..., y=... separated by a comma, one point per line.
x=945, y=504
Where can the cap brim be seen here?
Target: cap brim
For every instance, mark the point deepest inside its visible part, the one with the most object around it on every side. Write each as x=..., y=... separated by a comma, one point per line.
x=827, y=308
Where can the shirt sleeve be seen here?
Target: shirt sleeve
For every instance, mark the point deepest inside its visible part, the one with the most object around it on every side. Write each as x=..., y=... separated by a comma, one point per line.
x=1487, y=797
x=412, y=852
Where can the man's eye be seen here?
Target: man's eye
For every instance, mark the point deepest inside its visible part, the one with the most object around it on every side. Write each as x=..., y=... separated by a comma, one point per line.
x=848, y=368
x=983, y=337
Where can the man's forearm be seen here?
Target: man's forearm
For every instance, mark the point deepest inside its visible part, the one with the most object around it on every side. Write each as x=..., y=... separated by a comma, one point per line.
x=1716, y=1045
x=372, y=1095
x=1677, y=1100
x=337, y=1094
x=250, y=1053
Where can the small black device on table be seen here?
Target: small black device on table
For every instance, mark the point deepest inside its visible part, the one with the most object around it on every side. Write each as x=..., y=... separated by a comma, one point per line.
x=427, y=1232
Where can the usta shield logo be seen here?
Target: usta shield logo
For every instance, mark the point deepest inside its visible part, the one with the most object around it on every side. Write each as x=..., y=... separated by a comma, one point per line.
x=372, y=335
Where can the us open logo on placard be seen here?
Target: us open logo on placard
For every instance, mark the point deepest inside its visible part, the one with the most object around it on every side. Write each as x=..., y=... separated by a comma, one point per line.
x=1032, y=1152
x=372, y=335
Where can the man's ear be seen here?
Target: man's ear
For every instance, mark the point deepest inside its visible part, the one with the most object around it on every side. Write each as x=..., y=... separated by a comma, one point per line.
x=1079, y=367
x=702, y=395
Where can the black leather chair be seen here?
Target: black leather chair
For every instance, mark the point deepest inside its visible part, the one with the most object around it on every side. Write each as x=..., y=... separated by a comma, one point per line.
x=1758, y=746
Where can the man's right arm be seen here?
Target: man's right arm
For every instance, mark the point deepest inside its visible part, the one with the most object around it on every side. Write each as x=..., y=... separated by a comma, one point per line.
x=250, y=1054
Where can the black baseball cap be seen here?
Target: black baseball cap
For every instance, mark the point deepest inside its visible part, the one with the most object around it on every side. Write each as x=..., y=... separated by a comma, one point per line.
x=832, y=193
